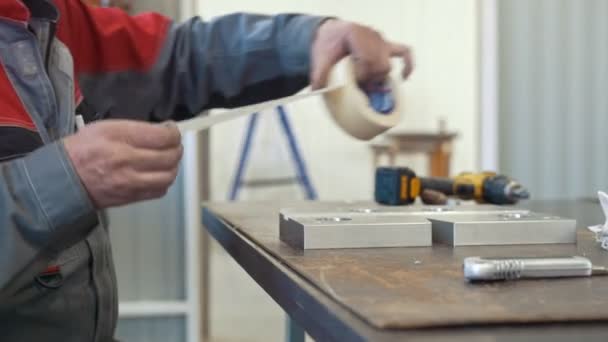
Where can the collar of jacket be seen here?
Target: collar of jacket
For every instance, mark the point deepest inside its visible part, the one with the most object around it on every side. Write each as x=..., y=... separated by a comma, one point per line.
x=23, y=10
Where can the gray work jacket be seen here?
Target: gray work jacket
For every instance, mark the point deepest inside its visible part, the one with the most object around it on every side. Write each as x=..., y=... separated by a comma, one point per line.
x=57, y=280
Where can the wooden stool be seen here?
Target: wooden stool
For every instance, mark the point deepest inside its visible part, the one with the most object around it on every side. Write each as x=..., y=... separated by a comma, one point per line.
x=437, y=147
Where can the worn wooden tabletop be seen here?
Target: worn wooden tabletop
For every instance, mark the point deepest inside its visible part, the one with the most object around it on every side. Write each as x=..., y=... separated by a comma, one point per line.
x=416, y=289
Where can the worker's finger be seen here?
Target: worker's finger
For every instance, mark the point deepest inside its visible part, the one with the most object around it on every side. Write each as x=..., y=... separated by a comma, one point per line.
x=152, y=136
x=371, y=56
x=403, y=51
x=155, y=160
x=150, y=195
x=155, y=181
x=372, y=69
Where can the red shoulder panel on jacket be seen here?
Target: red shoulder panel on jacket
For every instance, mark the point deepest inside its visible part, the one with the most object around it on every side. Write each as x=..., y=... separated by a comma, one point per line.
x=12, y=110
x=109, y=40
x=14, y=10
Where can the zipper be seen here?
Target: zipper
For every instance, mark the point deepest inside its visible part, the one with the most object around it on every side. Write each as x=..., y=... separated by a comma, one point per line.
x=43, y=55
x=95, y=287
x=50, y=33
x=51, y=36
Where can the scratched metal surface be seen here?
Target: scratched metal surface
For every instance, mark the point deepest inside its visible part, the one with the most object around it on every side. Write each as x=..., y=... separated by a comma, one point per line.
x=424, y=287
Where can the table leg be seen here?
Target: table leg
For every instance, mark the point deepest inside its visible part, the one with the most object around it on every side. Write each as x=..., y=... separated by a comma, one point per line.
x=392, y=155
x=295, y=333
x=440, y=161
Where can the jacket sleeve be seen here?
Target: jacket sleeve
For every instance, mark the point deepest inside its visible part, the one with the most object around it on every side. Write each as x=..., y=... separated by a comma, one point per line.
x=43, y=210
x=147, y=67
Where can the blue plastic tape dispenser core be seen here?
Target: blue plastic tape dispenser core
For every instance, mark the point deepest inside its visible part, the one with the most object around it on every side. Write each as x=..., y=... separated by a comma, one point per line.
x=380, y=98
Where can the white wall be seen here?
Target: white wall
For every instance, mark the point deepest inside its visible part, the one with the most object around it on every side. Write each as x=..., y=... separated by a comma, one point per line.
x=444, y=85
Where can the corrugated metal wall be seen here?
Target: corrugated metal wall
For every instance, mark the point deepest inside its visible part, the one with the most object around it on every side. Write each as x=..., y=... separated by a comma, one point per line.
x=554, y=95
x=148, y=241
x=148, y=245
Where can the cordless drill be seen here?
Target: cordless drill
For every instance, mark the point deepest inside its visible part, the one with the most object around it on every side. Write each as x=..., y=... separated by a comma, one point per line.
x=398, y=186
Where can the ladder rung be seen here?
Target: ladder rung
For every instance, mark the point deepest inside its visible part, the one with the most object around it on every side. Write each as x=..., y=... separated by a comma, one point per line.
x=257, y=183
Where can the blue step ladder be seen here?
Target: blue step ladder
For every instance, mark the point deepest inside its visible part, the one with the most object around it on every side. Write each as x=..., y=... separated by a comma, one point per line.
x=294, y=332
x=300, y=166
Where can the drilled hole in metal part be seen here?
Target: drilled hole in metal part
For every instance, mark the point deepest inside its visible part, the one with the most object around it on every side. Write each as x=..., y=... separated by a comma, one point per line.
x=364, y=210
x=333, y=219
x=437, y=209
x=513, y=216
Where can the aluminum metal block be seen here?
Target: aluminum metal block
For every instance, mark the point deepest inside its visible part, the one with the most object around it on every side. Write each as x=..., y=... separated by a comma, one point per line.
x=354, y=231
x=364, y=208
x=356, y=225
x=502, y=229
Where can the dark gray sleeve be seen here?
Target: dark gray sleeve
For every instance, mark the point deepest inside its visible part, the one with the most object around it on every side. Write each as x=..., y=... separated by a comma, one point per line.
x=43, y=210
x=231, y=61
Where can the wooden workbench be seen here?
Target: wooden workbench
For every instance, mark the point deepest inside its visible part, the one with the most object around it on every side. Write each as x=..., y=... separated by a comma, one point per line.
x=388, y=294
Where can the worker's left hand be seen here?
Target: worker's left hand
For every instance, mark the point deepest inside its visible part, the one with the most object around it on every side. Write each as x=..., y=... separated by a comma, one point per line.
x=336, y=39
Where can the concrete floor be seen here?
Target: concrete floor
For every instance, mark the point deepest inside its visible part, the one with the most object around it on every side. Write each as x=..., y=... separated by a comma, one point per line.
x=239, y=309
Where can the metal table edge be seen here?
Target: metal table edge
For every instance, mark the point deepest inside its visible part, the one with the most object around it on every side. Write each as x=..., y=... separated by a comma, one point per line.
x=295, y=294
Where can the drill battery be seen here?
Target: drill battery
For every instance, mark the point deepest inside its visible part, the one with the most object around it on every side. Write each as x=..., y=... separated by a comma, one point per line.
x=396, y=186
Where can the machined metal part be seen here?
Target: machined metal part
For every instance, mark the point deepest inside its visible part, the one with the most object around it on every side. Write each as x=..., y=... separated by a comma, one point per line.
x=502, y=229
x=358, y=224
x=365, y=208
x=354, y=231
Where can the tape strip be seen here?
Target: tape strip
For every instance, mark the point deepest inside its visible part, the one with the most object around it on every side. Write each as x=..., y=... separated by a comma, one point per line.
x=205, y=122
x=351, y=108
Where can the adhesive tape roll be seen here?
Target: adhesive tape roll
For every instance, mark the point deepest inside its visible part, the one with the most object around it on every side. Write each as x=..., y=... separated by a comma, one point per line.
x=351, y=107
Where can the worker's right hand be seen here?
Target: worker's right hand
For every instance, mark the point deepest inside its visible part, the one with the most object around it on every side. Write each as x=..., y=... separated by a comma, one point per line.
x=371, y=54
x=121, y=161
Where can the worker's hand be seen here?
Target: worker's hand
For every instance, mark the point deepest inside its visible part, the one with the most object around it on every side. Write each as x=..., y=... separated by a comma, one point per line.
x=121, y=161
x=336, y=39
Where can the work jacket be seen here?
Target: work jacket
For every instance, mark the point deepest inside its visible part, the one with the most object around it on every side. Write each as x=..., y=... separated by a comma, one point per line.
x=57, y=280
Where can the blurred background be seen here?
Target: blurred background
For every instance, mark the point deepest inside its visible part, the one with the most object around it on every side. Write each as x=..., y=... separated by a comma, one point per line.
x=514, y=86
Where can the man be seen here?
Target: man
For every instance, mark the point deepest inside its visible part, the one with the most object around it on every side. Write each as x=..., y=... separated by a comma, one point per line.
x=57, y=279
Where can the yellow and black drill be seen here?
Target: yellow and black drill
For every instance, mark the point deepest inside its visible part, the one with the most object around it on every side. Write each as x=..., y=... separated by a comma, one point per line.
x=400, y=185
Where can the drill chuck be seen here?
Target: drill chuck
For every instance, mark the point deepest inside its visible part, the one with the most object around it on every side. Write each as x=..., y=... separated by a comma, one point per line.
x=501, y=189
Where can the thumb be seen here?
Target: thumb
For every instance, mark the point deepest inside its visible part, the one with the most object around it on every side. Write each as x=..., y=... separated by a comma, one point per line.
x=321, y=68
